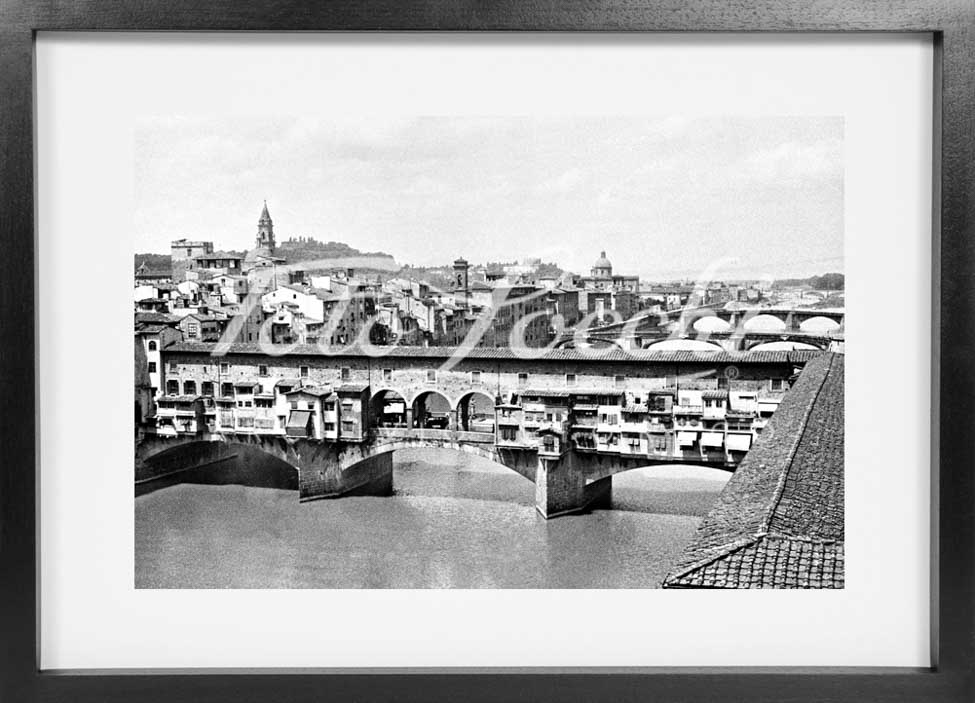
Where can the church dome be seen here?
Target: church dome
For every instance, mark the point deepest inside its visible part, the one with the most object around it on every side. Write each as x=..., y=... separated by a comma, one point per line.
x=602, y=265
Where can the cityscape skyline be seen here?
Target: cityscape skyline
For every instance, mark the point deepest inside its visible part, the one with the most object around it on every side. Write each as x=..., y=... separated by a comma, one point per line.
x=424, y=188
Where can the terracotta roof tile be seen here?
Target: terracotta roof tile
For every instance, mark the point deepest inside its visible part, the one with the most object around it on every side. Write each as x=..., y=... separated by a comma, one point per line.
x=779, y=521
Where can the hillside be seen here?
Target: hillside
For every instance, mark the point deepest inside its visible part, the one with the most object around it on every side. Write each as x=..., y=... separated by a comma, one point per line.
x=154, y=262
x=305, y=248
x=828, y=281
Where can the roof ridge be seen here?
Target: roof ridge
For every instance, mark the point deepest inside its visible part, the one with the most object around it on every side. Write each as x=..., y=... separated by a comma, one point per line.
x=762, y=533
x=797, y=440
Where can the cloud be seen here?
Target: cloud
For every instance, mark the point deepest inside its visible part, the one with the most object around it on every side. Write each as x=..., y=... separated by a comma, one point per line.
x=563, y=183
x=795, y=160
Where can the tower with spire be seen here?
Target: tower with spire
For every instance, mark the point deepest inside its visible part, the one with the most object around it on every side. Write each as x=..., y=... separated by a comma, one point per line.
x=265, y=231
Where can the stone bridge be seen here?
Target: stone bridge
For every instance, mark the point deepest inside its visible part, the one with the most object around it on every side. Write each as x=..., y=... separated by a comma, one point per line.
x=565, y=483
x=727, y=330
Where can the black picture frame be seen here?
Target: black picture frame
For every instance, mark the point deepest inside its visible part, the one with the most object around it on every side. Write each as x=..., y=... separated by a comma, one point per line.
x=952, y=24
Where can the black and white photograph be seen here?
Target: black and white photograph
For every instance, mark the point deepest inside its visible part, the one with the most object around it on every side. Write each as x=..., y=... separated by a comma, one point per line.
x=428, y=352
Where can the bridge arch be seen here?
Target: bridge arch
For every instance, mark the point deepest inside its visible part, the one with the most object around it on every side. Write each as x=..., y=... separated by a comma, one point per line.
x=387, y=408
x=475, y=408
x=590, y=342
x=819, y=324
x=161, y=463
x=431, y=409
x=711, y=323
x=683, y=345
x=765, y=323
x=783, y=345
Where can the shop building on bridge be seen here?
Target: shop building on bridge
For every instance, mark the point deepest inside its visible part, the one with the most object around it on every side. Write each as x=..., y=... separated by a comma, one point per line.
x=685, y=406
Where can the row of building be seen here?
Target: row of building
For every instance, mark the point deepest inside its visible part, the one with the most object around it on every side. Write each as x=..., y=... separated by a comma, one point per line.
x=663, y=406
x=258, y=296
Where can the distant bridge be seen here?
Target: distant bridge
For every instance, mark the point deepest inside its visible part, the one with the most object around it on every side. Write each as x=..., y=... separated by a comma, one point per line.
x=729, y=330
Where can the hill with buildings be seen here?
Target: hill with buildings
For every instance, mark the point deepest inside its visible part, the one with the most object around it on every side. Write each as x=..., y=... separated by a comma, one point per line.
x=307, y=248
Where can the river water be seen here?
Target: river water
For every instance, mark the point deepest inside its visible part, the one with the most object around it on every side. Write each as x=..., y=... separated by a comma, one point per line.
x=454, y=521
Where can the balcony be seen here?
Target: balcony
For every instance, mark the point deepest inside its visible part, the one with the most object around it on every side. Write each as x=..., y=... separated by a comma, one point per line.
x=688, y=410
x=634, y=427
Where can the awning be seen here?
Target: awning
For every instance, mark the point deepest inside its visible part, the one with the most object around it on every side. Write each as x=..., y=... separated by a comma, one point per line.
x=686, y=439
x=767, y=407
x=739, y=442
x=712, y=439
x=299, y=419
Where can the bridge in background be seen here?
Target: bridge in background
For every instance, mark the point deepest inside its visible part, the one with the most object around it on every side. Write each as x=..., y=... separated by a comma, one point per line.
x=726, y=329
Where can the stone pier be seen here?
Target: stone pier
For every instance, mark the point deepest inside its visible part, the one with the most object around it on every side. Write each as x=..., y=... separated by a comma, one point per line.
x=561, y=487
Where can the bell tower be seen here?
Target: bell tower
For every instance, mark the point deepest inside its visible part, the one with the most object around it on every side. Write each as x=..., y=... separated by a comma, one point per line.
x=461, y=280
x=265, y=231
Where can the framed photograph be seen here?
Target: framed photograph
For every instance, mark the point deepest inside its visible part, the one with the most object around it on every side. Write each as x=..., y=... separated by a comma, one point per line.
x=517, y=353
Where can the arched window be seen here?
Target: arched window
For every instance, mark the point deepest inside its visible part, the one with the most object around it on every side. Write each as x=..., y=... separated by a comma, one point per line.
x=152, y=345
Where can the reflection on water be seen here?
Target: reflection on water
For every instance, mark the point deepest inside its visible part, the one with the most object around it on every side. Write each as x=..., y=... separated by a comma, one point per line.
x=455, y=521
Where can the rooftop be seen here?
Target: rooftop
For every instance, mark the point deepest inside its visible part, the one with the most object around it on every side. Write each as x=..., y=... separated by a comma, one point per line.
x=508, y=354
x=779, y=521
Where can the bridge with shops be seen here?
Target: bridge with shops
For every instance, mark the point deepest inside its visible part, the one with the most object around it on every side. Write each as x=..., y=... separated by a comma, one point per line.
x=565, y=420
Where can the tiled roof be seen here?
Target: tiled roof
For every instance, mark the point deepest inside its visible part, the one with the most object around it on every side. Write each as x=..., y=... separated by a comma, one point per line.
x=158, y=317
x=352, y=387
x=505, y=353
x=779, y=521
x=150, y=329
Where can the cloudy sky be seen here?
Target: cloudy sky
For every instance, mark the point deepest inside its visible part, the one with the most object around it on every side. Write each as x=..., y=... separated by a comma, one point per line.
x=665, y=198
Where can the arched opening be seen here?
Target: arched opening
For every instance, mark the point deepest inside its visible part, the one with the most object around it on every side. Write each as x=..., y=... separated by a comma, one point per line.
x=684, y=345
x=764, y=323
x=388, y=409
x=819, y=324
x=782, y=346
x=215, y=463
x=475, y=412
x=711, y=323
x=670, y=489
x=431, y=411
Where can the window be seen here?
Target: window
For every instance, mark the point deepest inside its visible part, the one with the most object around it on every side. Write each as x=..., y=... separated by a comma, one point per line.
x=431, y=375
x=227, y=390
x=224, y=367
x=206, y=388
x=152, y=345
x=777, y=384
x=723, y=382
x=192, y=330
x=387, y=374
x=173, y=367
x=475, y=377
x=294, y=404
x=570, y=379
x=303, y=371
x=152, y=367
x=346, y=373
x=620, y=381
x=522, y=380
x=509, y=433
x=262, y=370
x=172, y=387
